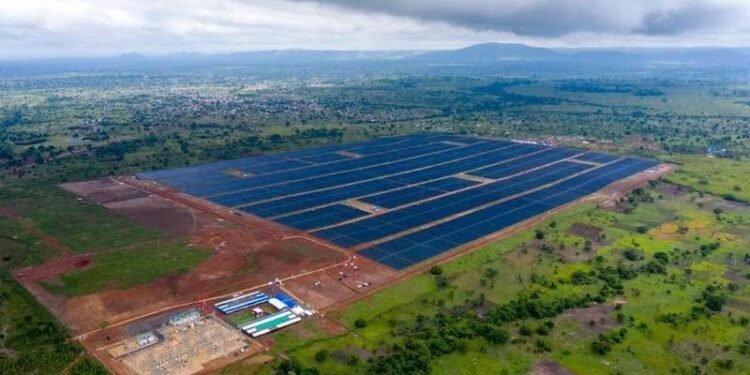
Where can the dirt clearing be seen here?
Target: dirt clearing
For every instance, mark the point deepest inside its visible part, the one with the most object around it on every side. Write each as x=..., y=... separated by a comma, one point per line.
x=594, y=319
x=173, y=220
x=586, y=231
x=549, y=368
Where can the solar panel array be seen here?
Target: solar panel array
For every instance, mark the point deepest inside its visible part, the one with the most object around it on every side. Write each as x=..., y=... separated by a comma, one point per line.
x=401, y=200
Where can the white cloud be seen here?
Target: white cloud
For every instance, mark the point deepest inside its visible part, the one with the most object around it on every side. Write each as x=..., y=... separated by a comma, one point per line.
x=30, y=28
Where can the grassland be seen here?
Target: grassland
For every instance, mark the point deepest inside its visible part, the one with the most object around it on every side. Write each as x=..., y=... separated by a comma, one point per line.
x=18, y=247
x=667, y=329
x=80, y=225
x=129, y=267
x=721, y=177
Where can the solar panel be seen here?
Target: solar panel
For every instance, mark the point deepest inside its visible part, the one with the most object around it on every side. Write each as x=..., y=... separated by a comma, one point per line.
x=428, y=193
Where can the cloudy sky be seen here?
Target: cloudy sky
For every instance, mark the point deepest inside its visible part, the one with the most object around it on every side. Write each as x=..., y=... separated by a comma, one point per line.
x=41, y=28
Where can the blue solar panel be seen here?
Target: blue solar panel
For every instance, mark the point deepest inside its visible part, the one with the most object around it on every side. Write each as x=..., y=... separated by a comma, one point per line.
x=418, y=246
x=413, y=216
x=321, y=217
x=318, y=171
x=535, y=161
x=416, y=193
x=414, y=179
x=341, y=183
x=281, y=165
x=324, y=158
x=596, y=157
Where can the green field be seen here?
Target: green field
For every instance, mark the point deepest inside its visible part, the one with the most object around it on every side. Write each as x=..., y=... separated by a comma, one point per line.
x=721, y=177
x=79, y=224
x=126, y=268
x=18, y=247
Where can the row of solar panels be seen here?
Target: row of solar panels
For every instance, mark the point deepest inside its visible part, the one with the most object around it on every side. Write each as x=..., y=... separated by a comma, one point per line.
x=510, y=163
x=214, y=173
x=336, y=174
x=415, y=247
x=397, y=149
x=400, y=175
x=393, y=222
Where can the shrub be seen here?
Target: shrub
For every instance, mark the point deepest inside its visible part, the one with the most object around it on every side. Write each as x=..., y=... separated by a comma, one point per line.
x=525, y=330
x=321, y=356
x=662, y=257
x=631, y=255
x=539, y=234
x=580, y=278
x=543, y=346
x=442, y=281
x=542, y=330
x=714, y=302
x=360, y=323
x=726, y=364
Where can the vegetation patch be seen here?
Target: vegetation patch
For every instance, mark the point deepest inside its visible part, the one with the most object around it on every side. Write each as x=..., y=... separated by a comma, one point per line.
x=79, y=224
x=129, y=267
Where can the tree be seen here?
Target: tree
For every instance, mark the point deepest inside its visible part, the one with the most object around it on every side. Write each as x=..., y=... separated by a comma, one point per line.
x=360, y=323
x=539, y=234
x=631, y=255
x=714, y=302
x=662, y=257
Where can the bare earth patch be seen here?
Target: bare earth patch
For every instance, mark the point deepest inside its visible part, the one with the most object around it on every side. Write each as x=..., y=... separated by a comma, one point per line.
x=672, y=190
x=172, y=219
x=594, y=319
x=549, y=368
x=586, y=231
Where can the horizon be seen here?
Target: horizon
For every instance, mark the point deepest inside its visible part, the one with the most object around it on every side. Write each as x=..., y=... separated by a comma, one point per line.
x=405, y=51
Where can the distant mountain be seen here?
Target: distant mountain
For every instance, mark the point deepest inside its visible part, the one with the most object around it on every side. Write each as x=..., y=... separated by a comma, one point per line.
x=489, y=52
x=301, y=55
x=498, y=56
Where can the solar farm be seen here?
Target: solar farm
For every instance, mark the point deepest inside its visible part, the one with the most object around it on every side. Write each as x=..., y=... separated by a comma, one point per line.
x=402, y=200
x=296, y=235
